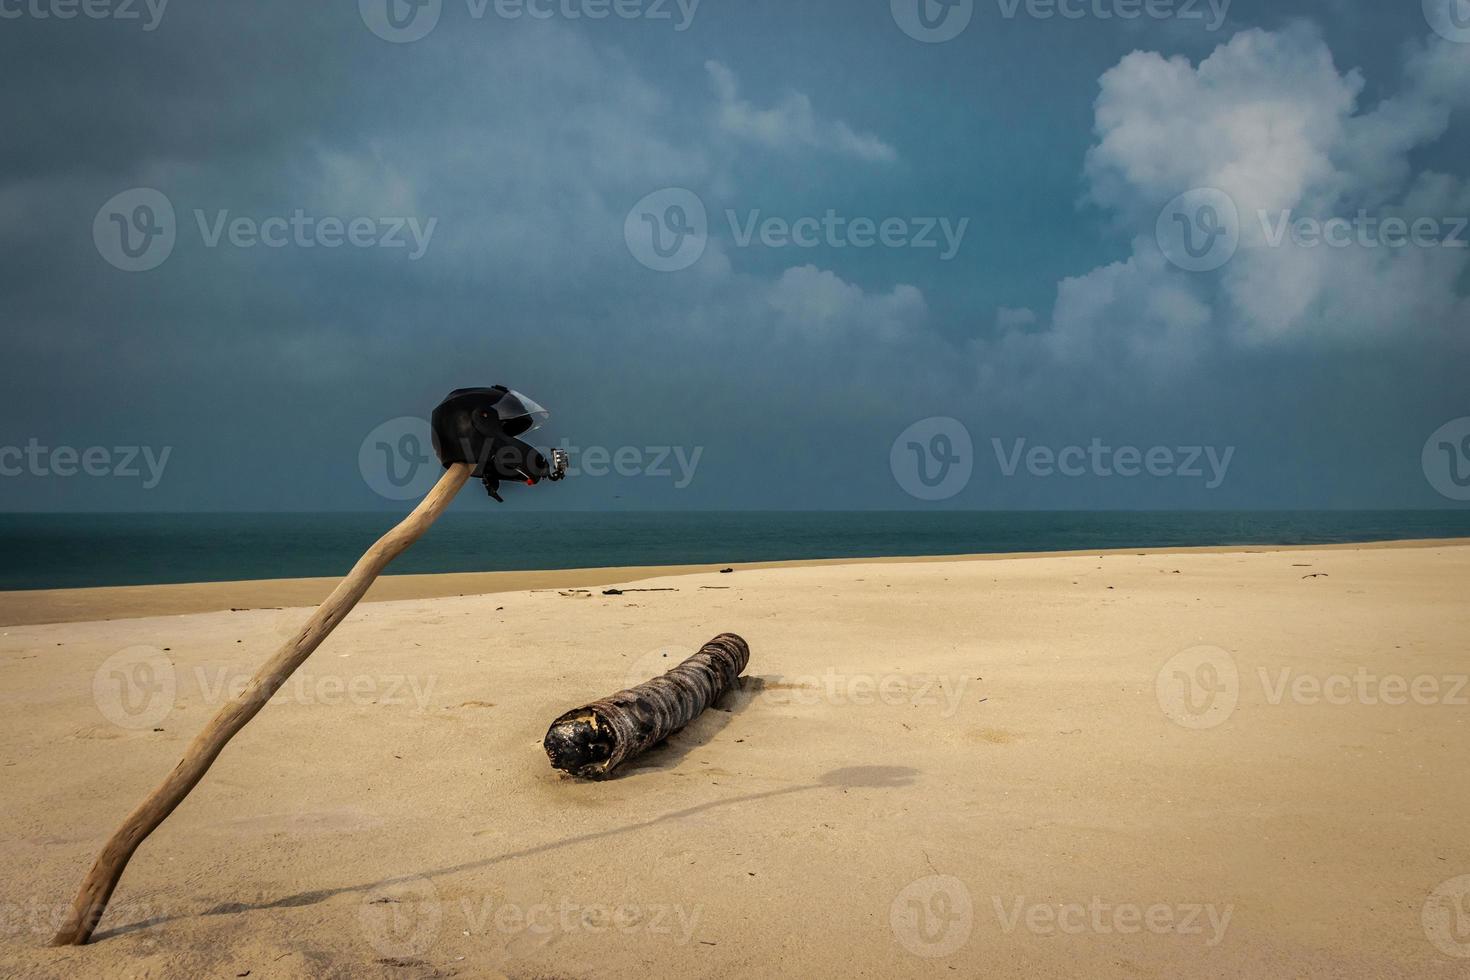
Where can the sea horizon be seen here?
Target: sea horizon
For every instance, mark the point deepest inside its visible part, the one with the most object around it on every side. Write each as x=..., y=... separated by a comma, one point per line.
x=88, y=549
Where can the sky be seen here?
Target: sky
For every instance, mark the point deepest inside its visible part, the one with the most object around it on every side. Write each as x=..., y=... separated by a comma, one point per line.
x=847, y=254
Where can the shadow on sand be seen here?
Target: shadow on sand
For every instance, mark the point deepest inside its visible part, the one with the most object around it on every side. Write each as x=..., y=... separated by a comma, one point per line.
x=664, y=757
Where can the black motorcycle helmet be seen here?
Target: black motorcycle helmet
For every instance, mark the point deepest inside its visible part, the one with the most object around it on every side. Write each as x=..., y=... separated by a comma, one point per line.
x=479, y=426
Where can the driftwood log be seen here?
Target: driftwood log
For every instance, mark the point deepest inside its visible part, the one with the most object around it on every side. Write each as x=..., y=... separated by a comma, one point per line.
x=91, y=901
x=593, y=740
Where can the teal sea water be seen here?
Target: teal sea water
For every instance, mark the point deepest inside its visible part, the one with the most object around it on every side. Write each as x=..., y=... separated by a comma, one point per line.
x=39, y=551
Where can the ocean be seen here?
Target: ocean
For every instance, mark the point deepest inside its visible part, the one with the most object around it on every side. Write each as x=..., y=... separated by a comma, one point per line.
x=44, y=551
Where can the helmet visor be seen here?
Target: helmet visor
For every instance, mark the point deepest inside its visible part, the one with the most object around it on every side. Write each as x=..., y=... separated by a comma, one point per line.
x=519, y=414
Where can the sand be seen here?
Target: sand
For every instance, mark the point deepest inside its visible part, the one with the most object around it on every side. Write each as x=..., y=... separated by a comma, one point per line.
x=1160, y=765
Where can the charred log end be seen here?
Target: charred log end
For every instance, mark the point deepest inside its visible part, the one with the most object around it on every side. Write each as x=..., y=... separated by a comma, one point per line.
x=581, y=743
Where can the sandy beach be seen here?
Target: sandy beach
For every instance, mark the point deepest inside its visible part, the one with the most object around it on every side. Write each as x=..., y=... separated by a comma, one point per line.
x=1209, y=764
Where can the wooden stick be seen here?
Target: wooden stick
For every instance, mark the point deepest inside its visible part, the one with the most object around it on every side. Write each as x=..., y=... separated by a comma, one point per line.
x=91, y=901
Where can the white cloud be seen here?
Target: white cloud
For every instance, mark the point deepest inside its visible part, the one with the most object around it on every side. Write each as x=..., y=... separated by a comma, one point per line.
x=790, y=123
x=364, y=184
x=1258, y=119
x=1269, y=119
x=817, y=302
x=1007, y=318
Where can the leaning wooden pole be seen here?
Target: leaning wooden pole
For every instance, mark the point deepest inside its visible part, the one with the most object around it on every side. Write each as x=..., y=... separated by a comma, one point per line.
x=91, y=901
